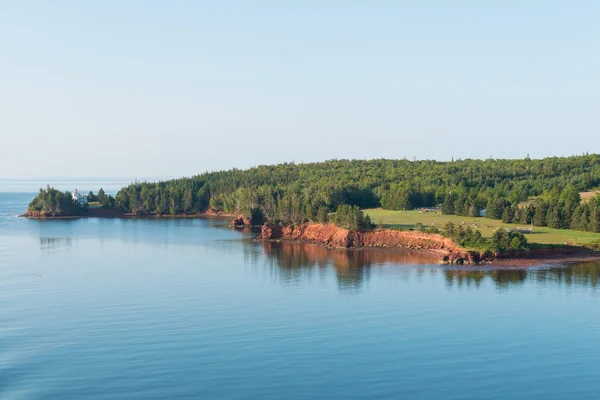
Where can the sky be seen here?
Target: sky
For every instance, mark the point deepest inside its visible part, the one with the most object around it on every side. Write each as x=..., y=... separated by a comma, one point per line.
x=167, y=89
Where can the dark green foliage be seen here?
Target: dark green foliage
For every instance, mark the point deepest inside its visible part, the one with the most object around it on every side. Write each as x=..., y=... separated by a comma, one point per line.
x=55, y=203
x=109, y=202
x=431, y=230
x=526, y=215
x=322, y=215
x=401, y=198
x=257, y=217
x=586, y=217
x=449, y=230
x=496, y=207
x=464, y=237
x=594, y=223
x=351, y=217
x=503, y=240
x=508, y=215
x=187, y=200
x=570, y=198
x=296, y=192
x=101, y=197
x=217, y=203
x=540, y=211
x=105, y=200
x=473, y=210
x=470, y=238
x=448, y=206
x=557, y=217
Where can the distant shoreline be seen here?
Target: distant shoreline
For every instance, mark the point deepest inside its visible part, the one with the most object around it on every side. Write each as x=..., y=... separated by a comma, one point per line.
x=112, y=213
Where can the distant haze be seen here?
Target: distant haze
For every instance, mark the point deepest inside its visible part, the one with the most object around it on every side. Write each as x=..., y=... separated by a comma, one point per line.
x=164, y=89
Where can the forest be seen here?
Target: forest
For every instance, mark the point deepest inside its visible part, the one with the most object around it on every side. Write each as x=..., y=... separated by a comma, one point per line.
x=541, y=192
x=55, y=203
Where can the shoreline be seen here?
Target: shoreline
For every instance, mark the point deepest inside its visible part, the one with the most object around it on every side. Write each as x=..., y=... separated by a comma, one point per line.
x=447, y=252
x=580, y=255
x=111, y=213
x=331, y=237
x=529, y=259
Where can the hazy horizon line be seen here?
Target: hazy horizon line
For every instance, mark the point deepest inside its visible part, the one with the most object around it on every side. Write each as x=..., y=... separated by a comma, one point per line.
x=169, y=177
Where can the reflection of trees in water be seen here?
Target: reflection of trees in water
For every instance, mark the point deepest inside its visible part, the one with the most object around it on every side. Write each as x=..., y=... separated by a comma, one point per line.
x=462, y=277
x=252, y=254
x=51, y=243
x=503, y=278
x=585, y=274
x=294, y=261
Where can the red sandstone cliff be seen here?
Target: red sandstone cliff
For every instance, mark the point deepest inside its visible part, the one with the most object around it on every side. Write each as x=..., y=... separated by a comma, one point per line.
x=36, y=214
x=332, y=236
x=240, y=221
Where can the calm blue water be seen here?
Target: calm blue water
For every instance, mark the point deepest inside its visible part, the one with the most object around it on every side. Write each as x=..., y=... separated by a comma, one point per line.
x=191, y=309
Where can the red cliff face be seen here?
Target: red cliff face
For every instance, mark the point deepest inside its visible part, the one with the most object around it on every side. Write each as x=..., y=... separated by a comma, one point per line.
x=240, y=221
x=332, y=236
x=35, y=214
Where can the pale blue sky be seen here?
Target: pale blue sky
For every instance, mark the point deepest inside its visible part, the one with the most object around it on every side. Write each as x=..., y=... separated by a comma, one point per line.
x=160, y=89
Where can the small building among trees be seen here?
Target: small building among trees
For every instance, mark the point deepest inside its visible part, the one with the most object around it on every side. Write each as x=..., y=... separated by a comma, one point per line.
x=80, y=198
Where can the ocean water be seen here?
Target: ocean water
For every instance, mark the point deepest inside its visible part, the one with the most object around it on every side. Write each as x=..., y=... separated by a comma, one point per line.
x=84, y=185
x=192, y=309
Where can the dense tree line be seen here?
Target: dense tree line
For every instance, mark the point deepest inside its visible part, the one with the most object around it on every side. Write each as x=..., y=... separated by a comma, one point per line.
x=55, y=203
x=406, y=198
x=309, y=192
x=559, y=209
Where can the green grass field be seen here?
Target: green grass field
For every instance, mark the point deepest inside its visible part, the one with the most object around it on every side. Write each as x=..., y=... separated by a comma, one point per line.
x=408, y=219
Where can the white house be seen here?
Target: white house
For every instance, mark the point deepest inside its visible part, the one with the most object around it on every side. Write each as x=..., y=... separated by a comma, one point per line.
x=79, y=198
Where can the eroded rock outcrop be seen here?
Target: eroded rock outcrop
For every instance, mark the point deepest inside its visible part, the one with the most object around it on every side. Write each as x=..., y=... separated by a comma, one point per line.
x=332, y=236
x=36, y=214
x=240, y=221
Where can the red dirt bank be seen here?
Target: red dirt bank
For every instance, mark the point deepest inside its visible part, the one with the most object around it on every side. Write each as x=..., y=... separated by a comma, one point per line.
x=448, y=252
x=240, y=221
x=332, y=236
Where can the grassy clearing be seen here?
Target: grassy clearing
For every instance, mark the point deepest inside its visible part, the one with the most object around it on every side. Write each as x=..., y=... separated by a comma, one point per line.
x=587, y=196
x=408, y=219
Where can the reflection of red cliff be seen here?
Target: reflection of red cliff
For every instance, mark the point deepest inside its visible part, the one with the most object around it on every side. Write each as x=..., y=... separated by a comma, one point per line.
x=332, y=236
x=292, y=254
